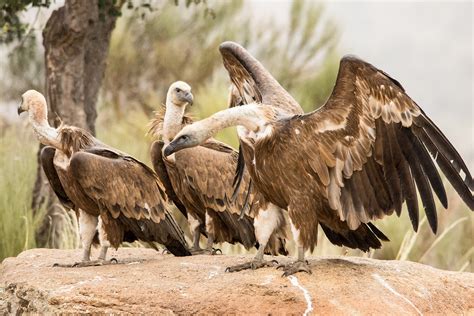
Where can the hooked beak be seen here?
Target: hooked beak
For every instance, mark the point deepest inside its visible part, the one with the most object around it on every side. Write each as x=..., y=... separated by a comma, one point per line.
x=189, y=98
x=20, y=109
x=170, y=149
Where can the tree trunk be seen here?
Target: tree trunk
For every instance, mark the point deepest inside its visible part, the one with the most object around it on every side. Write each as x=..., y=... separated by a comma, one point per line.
x=76, y=40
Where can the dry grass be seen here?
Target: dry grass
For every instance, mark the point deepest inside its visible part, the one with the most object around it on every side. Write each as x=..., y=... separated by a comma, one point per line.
x=18, y=170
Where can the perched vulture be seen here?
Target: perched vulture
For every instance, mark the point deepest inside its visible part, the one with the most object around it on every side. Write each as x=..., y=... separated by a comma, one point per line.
x=199, y=181
x=103, y=185
x=356, y=159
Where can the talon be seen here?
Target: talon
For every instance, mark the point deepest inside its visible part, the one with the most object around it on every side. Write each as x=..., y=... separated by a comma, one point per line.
x=298, y=266
x=254, y=265
x=55, y=265
x=113, y=260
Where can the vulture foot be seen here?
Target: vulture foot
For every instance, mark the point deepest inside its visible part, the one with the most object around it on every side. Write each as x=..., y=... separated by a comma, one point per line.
x=165, y=252
x=294, y=267
x=83, y=264
x=254, y=265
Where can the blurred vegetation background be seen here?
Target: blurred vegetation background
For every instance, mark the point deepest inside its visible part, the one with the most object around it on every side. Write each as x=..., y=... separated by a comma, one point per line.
x=147, y=53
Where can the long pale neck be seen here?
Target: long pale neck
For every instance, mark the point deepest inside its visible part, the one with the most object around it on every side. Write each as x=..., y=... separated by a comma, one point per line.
x=46, y=134
x=173, y=121
x=250, y=116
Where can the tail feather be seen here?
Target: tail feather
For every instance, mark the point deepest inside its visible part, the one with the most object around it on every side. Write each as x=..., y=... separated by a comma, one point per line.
x=166, y=232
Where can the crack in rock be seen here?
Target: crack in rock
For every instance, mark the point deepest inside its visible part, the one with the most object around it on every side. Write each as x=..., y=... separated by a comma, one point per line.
x=307, y=296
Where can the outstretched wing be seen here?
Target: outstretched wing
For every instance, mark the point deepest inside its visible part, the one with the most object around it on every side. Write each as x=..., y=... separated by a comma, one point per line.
x=123, y=186
x=370, y=145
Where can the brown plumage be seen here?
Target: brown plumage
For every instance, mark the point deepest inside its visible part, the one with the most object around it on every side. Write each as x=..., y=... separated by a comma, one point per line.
x=199, y=181
x=356, y=159
x=98, y=181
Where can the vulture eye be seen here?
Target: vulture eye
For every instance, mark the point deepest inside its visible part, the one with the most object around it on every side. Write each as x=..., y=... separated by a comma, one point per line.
x=184, y=137
x=178, y=90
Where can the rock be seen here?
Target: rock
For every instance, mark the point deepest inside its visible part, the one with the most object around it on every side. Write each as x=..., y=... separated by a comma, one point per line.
x=150, y=282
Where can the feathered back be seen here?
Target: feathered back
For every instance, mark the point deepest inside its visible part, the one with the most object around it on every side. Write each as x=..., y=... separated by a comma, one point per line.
x=155, y=126
x=74, y=139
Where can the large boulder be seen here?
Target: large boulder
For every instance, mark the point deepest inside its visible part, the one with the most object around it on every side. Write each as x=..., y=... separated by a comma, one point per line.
x=149, y=282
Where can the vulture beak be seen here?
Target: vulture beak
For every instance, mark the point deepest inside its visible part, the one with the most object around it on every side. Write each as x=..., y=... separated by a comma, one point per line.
x=189, y=98
x=177, y=144
x=171, y=149
x=20, y=109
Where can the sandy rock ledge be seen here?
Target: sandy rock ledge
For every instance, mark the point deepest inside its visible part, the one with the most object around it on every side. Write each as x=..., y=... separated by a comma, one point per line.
x=153, y=283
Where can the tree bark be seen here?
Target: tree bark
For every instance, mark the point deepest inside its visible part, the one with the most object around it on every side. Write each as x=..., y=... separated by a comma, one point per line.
x=76, y=40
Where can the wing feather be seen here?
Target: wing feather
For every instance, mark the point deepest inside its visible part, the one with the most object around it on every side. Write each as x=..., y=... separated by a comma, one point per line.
x=375, y=143
x=160, y=169
x=210, y=170
x=428, y=167
x=449, y=170
x=205, y=175
x=47, y=162
x=120, y=184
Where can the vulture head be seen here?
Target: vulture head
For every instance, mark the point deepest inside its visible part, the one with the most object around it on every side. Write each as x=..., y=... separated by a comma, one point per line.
x=34, y=102
x=180, y=94
x=190, y=136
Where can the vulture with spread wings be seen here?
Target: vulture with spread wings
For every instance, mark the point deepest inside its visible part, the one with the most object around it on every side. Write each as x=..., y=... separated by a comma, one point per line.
x=199, y=181
x=109, y=190
x=358, y=158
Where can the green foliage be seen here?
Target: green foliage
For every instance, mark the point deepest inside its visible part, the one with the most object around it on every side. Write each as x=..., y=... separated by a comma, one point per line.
x=173, y=43
x=11, y=26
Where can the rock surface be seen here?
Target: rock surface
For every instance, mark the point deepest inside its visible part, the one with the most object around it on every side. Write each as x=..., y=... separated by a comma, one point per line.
x=154, y=283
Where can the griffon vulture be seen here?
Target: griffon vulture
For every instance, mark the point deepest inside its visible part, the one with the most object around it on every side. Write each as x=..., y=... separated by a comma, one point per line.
x=200, y=180
x=100, y=182
x=356, y=159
